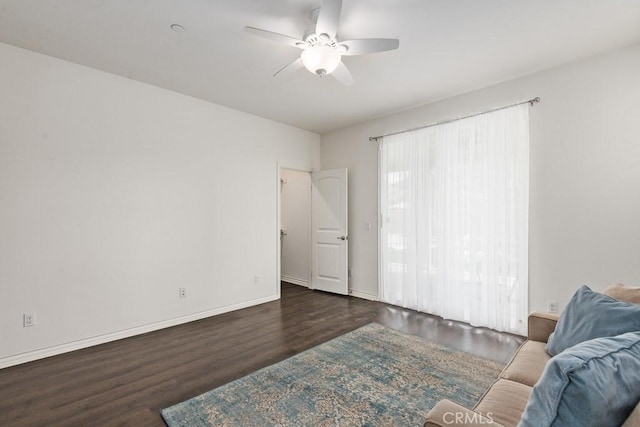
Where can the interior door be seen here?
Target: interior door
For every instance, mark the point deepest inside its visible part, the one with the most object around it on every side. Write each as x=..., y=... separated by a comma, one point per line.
x=329, y=234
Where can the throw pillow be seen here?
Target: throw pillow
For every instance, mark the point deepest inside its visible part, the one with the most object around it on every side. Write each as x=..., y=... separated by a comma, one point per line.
x=592, y=315
x=623, y=293
x=595, y=383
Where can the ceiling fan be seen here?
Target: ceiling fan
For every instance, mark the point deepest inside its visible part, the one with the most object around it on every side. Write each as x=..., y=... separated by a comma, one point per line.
x=321, y=50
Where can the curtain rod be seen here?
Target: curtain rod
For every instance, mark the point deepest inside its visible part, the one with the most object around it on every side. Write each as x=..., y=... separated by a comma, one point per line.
x=531, y=101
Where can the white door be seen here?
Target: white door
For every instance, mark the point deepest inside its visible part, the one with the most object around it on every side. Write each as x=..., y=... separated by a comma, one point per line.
x=329, y=251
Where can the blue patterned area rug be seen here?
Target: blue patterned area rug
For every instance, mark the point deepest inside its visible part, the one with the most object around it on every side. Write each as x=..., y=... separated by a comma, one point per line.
x=373, y=376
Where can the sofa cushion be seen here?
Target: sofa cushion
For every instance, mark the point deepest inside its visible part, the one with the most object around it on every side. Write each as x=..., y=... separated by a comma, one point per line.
x=504, y=402
x=527, y=364
x=623, y=293
x=594, y=383
x=592, y=315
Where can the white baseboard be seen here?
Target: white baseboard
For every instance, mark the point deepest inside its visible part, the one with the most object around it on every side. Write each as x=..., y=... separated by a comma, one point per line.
x=363, y=295
x=30, y=356
x=295, y=281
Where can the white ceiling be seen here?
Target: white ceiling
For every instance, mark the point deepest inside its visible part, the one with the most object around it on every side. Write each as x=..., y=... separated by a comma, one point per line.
x=447, y=47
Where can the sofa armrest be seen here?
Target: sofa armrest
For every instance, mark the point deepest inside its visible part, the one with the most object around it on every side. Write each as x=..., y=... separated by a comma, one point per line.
x=634, y=418
x=541, y=325
x=447, y=414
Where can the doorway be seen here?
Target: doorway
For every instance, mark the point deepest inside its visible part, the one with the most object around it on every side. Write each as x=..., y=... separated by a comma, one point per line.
x=295, y=226
x=312, y=235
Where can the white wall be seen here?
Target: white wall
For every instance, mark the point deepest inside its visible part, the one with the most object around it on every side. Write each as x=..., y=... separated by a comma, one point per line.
x=114, y=194
x=295, y=216
x=585, y=174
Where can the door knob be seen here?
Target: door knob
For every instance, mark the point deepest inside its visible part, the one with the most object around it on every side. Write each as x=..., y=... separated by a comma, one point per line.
x=342, y=238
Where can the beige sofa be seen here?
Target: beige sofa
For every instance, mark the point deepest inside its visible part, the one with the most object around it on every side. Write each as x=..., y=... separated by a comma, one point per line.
x=504, y=402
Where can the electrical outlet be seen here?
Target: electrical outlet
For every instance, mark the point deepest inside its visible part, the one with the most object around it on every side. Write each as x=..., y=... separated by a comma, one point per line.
x=256, y=280
x=552, y=306
x=183, y=292
x=28, y=319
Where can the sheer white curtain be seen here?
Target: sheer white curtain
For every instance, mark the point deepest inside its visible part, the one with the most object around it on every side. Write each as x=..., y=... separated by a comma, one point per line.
x=454, y=204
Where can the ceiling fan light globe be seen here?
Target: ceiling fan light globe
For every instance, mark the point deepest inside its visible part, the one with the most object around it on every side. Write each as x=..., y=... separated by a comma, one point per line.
x=320, y=60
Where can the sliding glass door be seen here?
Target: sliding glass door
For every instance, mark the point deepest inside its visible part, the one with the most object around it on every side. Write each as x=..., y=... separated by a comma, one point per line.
x=454, y=205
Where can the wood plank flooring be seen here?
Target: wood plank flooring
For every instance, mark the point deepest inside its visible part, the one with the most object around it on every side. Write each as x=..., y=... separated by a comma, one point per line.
x=127, y=382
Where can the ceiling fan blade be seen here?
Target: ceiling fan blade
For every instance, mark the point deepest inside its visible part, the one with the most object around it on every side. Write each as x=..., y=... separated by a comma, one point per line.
x=364, y=46
x=329, y=18
x=290, y=68
x=280, y=38
x=343, y=75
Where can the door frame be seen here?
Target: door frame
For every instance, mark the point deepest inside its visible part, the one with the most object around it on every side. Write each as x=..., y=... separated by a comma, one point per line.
x=279, y=167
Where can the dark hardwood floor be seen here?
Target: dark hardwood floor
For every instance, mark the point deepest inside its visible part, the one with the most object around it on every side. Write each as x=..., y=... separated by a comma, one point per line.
x=127, y=382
